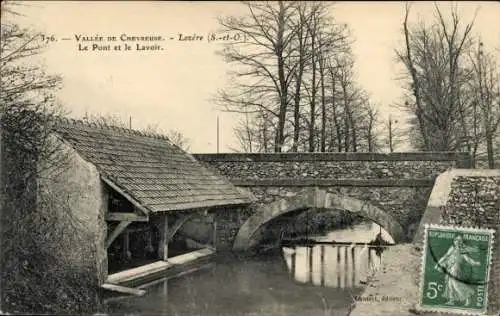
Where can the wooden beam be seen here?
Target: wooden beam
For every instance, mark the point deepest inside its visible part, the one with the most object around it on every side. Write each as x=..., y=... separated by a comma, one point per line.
x=177, y=225
x=126, y=244
x=126, y=217
x=116, y=232
x=165, y=239
x=167, y=233
x=214, y=232
x=123, y=289
x=137, y=229
x=125, y=195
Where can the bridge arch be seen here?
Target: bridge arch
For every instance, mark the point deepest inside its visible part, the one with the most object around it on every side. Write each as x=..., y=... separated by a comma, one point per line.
x=319, y=199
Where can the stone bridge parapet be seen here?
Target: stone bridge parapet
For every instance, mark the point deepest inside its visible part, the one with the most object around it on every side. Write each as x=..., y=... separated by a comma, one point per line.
x=345, y=169
x=397, y=183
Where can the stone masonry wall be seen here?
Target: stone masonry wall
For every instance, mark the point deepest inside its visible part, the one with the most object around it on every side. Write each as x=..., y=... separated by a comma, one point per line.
x=229, y=221
x=298, y=170
x=300, y=166
x=399, y=183
x=77, y=195
x=406, y=205
x=474, y=201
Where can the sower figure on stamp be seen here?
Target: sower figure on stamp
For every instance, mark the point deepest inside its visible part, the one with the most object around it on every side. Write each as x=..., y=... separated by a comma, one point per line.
x=453, y=264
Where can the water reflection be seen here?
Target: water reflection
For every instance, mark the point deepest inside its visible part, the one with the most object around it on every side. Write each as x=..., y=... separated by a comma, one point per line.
x=318, y=280
x=341, y=265
x=336, y=266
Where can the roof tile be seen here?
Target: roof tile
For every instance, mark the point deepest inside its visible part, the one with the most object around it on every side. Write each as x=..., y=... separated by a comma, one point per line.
x=157, y=174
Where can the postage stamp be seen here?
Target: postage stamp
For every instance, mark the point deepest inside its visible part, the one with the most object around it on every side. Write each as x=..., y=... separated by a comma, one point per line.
x=455, y=269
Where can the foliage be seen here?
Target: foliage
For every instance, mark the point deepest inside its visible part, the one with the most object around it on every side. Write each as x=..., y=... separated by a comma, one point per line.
x=33, y=278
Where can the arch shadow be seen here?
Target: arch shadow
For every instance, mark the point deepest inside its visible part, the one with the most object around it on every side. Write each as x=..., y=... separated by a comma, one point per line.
x=320, y=199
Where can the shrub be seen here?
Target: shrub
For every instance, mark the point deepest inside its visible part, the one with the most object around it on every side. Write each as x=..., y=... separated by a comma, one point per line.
x=35, y=278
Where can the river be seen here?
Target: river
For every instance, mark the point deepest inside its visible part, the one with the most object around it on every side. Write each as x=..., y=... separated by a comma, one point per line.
x=319, y=280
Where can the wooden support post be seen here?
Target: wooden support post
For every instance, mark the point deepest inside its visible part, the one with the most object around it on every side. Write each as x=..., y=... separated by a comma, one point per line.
x=166, y=239
x=123, y=289
x=149, y=241
x=126, y=217
x=177, y=225
x=322, y=256
x=116, y=232
x=161, y=236
x=126, y=245
x=214, y=232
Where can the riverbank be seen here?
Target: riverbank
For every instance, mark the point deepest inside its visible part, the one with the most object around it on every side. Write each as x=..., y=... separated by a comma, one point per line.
x=393, y=290
x=320, y=222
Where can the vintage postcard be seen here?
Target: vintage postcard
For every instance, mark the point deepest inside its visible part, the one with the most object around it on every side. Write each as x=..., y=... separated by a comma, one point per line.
x=248, y=158
x=455, y=269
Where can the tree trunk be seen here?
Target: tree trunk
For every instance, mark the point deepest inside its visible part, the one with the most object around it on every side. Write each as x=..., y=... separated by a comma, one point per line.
x=354, y=133
x=323, y=105
x=280, y=138
x=369, y=135
x=313, y=100
x=265, y=139
x=334, y=113
x=489, y=150
x=296, y=113
x=346, y=118
x=298, y=86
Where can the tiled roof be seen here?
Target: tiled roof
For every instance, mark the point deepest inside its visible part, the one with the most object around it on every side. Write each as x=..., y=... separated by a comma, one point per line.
x=155, y=173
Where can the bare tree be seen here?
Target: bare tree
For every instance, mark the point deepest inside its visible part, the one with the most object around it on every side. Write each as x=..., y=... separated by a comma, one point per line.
x=328, y=41
x=246, y=135
x=349, y=95
x=254, y=133
x=369, y=128
x=105, y=120
x=300, y=46
x=485, y=91
x=263, y=55
x=321, y=93
x=175, y=137
x=335, y=125
x=434, y=60
x=178, y=139
x=26, y=89
x=394, y=133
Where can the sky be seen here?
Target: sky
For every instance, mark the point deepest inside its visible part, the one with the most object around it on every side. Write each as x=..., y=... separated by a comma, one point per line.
x=173, y=88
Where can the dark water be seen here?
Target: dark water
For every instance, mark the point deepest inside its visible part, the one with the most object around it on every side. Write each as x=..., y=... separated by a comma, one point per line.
x=320, y=280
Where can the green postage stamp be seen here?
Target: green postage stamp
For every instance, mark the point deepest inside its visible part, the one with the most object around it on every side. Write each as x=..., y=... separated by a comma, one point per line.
x=455, y=269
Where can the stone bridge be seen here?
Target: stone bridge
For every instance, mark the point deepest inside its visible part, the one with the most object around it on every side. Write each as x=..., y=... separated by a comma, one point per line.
x=389, y=189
